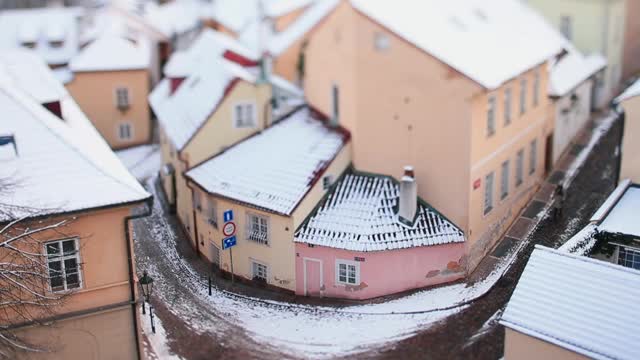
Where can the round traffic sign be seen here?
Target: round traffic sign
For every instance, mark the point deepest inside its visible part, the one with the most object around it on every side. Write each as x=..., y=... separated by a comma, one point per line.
x=229, y=229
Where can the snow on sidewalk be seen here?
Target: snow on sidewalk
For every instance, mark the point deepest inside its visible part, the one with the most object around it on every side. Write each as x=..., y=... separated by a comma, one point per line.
x=155, y=345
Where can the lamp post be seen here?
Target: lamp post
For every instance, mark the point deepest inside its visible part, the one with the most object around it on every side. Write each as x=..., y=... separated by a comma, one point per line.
x=146, y=282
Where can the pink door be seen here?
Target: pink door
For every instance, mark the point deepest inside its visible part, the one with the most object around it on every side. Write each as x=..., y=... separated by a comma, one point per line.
x=312, y=277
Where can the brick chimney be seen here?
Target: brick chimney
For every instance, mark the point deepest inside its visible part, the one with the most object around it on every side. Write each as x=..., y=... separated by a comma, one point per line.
x=408, y=199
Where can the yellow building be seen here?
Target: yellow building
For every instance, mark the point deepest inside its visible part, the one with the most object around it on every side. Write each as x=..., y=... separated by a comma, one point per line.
x=629, y=101
x=595, y=26
x=454, y=89
x=111, y=84
x=65, y=174
x=270, y=182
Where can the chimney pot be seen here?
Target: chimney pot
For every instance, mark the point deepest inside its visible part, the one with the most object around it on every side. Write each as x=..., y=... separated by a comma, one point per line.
x=408, y=200
x=408, y=171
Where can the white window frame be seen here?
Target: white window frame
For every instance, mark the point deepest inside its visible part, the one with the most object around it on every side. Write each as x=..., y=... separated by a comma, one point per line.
x=263, y=240
x=630, y=249
x=244, y=123
x=256, y=263
x=519, y=167
x=507, y=106
x=126, y=103
x=347, y=263
x=533, y=156
x=504, y=179
x=61, y=258
x=381, y=41
x=129, y=132
x=523, y=96
x=491, y=116
x=489, y=180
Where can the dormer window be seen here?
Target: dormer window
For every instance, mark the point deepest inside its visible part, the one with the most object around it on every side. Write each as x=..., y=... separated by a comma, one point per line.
x=29, y=44
x=56, y=44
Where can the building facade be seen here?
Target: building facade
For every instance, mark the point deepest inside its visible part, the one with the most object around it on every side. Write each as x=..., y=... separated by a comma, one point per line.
x=631, y=60
x=629, y=101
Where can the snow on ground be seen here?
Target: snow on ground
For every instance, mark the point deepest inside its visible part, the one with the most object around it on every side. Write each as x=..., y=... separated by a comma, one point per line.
x=155, y=345
x=142, y=161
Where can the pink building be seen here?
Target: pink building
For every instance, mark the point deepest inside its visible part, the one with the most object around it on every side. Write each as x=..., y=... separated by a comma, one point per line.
x=371, y=236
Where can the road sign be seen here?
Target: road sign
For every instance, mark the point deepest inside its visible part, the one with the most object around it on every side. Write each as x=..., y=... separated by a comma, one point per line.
x=228, y=215
x=228, y=242
x=229, y=229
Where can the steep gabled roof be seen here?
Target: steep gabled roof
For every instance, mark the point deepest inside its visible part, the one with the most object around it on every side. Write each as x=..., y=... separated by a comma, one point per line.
x=584, y=305
x=112, y=52
x=61, y=165
x=360, y=214
x=273, y=170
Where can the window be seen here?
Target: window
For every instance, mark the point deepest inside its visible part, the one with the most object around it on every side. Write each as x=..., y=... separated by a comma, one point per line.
x=259, y=271
x=122, y=98
x=628, y=257
x=335, y=101
x=258, y=230
x=507, y=106
x=381, y=41
x=533, y=157
x=244, y=115
x=56, y=44
x=327, y=181
x=536, y=88
x=29, y=44
x=523, y=96
x=212, y=213
x=504, y=180
x=197, y=201
x=565, y=26
x=519, y=167
x=125, y=131
x=63, y=262
x=347, y=272
x=488, y=193
x=491, y=116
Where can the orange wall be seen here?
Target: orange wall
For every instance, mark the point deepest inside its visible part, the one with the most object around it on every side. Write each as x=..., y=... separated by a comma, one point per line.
x=95, y=93
x=518, y=346
x=631, y=57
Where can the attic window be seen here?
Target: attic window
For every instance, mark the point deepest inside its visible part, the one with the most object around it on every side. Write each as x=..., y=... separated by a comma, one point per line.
x=56, y=43
x=29, y=44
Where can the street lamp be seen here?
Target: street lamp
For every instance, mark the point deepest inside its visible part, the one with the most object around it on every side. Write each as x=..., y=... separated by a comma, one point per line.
x=146, y=282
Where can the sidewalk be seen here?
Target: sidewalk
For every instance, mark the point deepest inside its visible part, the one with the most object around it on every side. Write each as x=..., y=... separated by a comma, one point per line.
x=564, y=172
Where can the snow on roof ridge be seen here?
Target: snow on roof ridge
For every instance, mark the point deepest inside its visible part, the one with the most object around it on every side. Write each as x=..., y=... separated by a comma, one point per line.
x=632, y=91
x=275, y=168
x=112, y=52
x=611, y=201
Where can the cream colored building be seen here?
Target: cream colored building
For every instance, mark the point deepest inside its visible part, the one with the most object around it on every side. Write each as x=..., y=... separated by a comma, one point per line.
x=111, y=80
x=631, y=61
x=68, y=174
x=629, y=101
x=453, y=89
x=594, y=26
x=571, y=307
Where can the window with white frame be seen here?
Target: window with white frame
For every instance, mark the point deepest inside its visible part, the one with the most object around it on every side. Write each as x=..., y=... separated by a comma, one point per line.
x=507, y=106
x=212, y=214
x=533, y=156
x=244, y=115
x=381, y=41
x=523, y=96
x=491, y=116
x=565, y=26
x=122, y=98
x=125, y=131
x=258, y=229
x=347, y=272
x=63, y=262
x=536, y=88
x=629, y=257
x=504, y=180
x=488, y=193
x=259, y=271
x=519, y=167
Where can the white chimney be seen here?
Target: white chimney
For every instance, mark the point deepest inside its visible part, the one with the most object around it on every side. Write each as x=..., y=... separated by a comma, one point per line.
x=408, y=198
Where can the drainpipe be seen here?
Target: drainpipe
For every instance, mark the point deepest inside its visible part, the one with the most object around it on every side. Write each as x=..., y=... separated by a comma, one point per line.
x=132, y=283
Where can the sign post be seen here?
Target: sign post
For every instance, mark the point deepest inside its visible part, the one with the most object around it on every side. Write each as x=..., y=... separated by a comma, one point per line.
x=229, y=240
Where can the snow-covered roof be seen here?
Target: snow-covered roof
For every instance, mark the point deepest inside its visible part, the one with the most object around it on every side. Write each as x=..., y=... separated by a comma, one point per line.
x=46, y=27
x=62, y=165
x=112, y=52
x=488, y=41
x=360, y=214
x=631, y=91
x=177, y=17
x=301, y=26
x=274, y=169
x=584, y=305
x=571, y=70
x=182, y=113
x=621, y=215
x=276, y=8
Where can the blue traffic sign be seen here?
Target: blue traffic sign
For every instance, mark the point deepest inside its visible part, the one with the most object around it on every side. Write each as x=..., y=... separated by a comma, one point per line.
x=228, y=215
x=228, y=242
